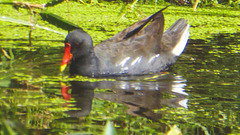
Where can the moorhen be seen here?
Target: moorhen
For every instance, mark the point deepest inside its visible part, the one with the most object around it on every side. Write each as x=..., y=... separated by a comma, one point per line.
x=142, y=48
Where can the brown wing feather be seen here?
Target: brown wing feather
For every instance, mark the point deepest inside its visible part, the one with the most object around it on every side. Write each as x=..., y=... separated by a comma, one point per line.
x=146, y=41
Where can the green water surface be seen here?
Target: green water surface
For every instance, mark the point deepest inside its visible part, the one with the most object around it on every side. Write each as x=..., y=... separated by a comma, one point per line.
x=205, y=77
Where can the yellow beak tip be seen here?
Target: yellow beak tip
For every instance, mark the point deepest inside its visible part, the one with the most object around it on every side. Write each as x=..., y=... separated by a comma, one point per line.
x=62, y=68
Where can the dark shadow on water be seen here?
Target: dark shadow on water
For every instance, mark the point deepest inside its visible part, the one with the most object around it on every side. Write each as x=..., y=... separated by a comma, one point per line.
x=217, y=49
x=225, y=39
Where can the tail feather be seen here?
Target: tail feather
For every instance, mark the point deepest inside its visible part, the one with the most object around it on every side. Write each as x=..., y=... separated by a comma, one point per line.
x=176, y=37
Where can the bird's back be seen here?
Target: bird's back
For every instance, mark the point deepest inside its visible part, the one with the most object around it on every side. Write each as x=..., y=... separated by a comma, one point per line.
x=142, y=48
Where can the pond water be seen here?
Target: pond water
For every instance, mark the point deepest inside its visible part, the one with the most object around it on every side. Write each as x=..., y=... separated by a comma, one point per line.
x=200, y=95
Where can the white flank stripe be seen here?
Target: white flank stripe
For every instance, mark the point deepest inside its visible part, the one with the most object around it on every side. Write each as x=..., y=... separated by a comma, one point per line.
x=137, y=60
x=153, y=57
x=124, y=61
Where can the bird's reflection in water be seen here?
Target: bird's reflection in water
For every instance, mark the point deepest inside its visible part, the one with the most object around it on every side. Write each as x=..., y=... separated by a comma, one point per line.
x=141, y=97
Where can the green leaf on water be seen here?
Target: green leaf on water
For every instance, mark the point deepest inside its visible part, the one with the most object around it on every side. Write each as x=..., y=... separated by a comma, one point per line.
x=58, y=21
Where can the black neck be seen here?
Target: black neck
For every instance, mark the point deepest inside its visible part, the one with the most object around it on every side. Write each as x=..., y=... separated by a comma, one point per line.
x=85, y=65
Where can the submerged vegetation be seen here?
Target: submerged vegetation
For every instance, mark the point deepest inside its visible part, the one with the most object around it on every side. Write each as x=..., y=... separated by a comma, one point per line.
x=30, y=83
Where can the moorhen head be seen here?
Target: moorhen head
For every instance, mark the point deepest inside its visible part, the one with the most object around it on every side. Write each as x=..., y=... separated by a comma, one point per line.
x=142, y=48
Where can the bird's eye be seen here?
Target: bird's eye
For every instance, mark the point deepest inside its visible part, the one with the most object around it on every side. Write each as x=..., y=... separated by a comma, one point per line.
x=76, y=45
